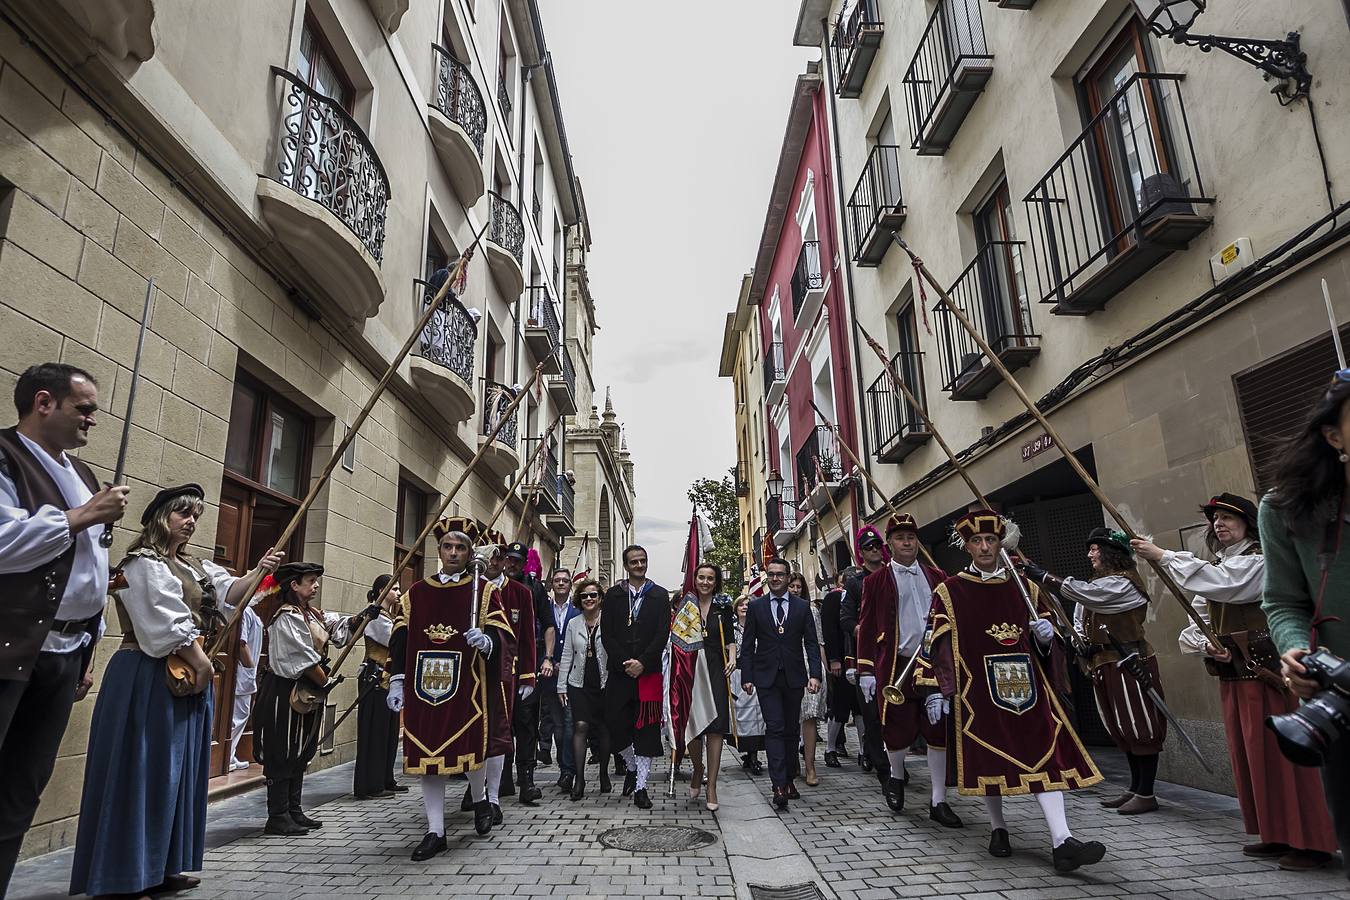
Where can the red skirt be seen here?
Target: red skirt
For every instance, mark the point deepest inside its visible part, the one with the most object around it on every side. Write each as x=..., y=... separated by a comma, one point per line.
x=1134, y=723
x=1281, y=802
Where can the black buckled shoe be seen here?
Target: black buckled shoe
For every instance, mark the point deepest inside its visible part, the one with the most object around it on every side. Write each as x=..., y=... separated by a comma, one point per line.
x=832, y=759
x=629, y=783
x=1074, y=853
x=496, y=813
x=864, y=762
x=945, y=816
x=529, y=794
x=605, y=785
x=998, y=843
x=641, y=800
x=432, y=845
x=482, y=817
x=894, y=792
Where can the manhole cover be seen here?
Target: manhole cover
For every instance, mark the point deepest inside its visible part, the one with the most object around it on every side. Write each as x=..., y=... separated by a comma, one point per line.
x=657, y=838
x=786, y=892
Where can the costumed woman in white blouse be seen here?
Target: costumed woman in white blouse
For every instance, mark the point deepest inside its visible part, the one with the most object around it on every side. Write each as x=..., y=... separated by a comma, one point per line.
x=285, y=727
x=143, y=811
x=376, y=723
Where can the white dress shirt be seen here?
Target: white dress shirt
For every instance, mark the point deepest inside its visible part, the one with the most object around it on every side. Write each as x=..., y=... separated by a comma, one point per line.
x=153, y=600
x=28, y=541
x=1108, y=594
x=291, y=649
x=915, y=599
x=1233, y=579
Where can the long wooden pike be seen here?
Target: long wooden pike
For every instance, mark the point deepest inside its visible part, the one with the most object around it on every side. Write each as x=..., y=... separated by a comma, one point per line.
x=838, y=519
x=440, y=511
x=350, y=436
x=1088, y=481
x=520, y=476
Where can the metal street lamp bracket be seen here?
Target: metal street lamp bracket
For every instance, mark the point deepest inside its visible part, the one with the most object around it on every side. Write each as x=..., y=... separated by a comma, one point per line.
x=1282, y=60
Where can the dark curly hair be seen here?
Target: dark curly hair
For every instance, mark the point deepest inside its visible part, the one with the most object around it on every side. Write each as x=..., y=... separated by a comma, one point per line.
x=1311, y=478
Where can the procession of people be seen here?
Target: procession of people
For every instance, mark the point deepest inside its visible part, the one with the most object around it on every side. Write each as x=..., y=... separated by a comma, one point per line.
x=967, y=670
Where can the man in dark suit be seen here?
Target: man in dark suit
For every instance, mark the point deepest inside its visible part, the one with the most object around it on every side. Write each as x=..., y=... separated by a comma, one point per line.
x=780, y=656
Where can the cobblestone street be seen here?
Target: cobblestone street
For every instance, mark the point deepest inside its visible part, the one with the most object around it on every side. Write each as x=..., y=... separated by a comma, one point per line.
x=1191, y=848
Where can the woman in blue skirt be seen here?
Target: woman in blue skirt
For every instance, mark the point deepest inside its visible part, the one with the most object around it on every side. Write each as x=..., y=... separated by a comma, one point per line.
x=143, y=810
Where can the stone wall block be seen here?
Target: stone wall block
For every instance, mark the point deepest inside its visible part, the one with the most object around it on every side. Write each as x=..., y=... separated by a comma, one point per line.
x=20, y=56
x=131, y=198
x=117, y=336
x=179, y=421
x=35, y=289
x=39, y=231
x=212, y=433
x=97, y=128
x=116, y=283
x=25, y=166
x=90, y=214
x=185, y=331
x=198, y=384
x=145, y=255
x=202, y=301
x=181, y=466
x=39, y=342
x=186, y=245
x=25, y=107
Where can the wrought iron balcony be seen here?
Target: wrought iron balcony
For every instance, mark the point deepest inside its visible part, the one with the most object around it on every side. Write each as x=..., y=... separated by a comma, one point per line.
x=775, y=374
x=808, y=284
x=537, y=207
x=1125, y=195
x=992, y=292
x=947, y=74
x=742, y=481
x=496, y=398
x=567, y=500
x=458, y=124
x=780, y=514
x=563, y=386
x=448, y=341
x=876, y=207
x=757, y=551
x=504, y=100
x=505, y=245
x=543, y=331
x=854, y=45
x=897, y=429
x=542, y=482
x=820, y=447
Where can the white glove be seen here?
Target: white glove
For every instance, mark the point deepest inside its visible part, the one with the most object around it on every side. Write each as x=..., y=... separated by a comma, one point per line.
x=868, y=685
x=525, y=690
x=1044, y=631
x=395, y=699
x=478, y=640
x=851, y=676
x=936, y=706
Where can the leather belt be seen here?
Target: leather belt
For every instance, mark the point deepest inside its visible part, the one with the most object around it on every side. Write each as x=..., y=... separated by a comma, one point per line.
x=75, y=626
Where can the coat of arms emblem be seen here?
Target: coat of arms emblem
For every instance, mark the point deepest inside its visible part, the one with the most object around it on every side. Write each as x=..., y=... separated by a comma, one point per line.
x=437, y=675
x=1011, y=683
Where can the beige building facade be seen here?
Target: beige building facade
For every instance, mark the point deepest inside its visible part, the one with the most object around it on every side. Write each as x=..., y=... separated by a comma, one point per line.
x=291, y=174
x=741, y=361
x=1139, y=230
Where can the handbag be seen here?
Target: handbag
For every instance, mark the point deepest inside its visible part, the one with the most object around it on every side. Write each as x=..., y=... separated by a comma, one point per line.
x=180, y=676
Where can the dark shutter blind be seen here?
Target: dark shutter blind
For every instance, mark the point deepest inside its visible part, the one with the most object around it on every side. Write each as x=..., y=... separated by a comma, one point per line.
x=1275, y=398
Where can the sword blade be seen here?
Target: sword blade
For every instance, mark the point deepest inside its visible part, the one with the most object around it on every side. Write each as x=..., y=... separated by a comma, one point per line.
x=135, y=382
x=1185, y=736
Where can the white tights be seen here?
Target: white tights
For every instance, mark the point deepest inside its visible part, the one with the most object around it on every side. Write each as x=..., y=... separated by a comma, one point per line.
x=1052, y=807
x=494, y=768
x=433, y=797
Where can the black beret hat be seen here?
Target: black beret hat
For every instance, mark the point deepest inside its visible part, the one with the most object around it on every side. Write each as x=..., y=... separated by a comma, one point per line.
x=168, y=494
x=294, y=571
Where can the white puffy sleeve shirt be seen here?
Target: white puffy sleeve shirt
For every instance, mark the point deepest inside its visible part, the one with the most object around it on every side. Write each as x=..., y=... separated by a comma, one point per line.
x=290, y=649
x=1108, y=595
x=1235, y=578
x=153, y=600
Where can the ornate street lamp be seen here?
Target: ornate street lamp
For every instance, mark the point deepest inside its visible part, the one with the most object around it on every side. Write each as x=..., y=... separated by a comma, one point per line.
x=775, y=484
x=1281, y=60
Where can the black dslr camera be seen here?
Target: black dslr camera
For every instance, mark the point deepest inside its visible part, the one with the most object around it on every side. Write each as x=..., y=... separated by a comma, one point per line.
x=1307, y=734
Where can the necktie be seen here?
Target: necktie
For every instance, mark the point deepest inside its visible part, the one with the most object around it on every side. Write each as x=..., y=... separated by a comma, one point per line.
x=780, y=613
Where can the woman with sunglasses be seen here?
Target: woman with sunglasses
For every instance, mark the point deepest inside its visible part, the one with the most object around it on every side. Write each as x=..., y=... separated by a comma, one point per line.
x=582, y=675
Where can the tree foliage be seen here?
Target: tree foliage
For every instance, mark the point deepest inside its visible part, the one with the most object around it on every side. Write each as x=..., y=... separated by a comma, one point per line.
x=716, y=500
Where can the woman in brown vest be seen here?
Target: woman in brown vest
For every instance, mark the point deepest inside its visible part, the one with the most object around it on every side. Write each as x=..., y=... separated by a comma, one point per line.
x=1281, y=802
x=143, y=811
x=376, y=723
x=1110, y=610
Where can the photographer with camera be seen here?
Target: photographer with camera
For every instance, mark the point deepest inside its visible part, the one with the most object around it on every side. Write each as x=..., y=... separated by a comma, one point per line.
x=1307, y=595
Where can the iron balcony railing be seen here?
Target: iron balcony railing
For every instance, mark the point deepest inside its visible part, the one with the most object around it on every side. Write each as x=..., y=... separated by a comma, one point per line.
x=450, y=335
x=773, y=364
x=780, y=513
x=757, y=551
x=1133, y=165
x=955, y=35
x=742, y=483
x=567, y=498
x=819, y=446
x=496, y=398
x=806, y=276
x=893, y=417
x=569, y=372
x=322, y=154
x=506, y=230
x=876, y=194
x=544, y=314
x=545, y=473
x=458, y=97
x=992, y=293
x=847, y=41
x=504, y=100
x=537, y=207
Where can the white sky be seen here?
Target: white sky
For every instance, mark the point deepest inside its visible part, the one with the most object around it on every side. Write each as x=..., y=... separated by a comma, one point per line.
x=675, y=114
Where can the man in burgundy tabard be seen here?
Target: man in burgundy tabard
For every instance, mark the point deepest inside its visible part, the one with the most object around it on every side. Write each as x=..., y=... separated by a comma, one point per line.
x=445, y=662
x=990, y=666
x=896, y=599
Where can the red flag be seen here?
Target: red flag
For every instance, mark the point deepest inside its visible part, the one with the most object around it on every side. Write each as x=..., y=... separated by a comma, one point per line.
x=692, y=556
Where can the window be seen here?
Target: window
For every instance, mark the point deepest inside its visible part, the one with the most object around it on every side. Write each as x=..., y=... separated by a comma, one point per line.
x=410, y=519
x=320, y=154
x=436, y=258
x=1003, y=284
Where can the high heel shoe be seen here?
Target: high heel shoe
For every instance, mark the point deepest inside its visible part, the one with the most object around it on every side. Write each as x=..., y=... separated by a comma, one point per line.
x=711, y=803
x=578, y=790
x=605, y=785
x=695, y=784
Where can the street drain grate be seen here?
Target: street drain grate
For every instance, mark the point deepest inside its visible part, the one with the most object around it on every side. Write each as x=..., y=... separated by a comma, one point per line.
x=786, y=892
x=657, y=838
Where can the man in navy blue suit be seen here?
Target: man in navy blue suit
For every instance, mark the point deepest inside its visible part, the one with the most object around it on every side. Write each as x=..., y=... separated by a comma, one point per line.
x=780, y=656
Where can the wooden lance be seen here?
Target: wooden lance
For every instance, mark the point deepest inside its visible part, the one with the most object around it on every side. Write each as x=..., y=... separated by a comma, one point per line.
x=1082, y=473
x=350, y=436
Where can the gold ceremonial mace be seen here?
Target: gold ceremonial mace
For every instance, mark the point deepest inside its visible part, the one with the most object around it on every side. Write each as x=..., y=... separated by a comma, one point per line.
x=347, y=439
x=1082, y=473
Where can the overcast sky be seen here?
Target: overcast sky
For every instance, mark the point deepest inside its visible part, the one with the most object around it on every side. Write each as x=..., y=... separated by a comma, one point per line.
x=675, y=114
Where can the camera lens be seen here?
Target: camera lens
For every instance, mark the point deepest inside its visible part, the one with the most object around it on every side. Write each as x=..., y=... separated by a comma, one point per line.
x=1306, y=734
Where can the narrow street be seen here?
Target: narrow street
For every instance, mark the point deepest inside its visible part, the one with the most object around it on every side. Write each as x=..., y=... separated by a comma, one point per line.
x=1189, y=849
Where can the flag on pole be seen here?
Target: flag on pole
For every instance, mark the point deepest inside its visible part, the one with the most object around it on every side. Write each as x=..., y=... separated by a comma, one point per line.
x=463, y=280
x=693, y=553
x=689, y=704
x=583, y=566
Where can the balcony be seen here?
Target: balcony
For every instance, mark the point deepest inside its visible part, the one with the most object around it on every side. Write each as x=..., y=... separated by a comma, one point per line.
x=775, y=375
x=501, y=455
x=458, y=123
x=757, y=551
x=327, y=203
x=563, y=522
x=1125, y=195
x=542, y=482
x=897, y=429
x=876, y=207
x=808, y=284
x=854, y=46
x=819, y=471
x=543, y=332
x=122, y=27
x=506, y=246
x=947, y=75
x=780, y=514
x=504, y=101
x=563, y=386
x=992, y=292
x=442, y=365
x=742, y=482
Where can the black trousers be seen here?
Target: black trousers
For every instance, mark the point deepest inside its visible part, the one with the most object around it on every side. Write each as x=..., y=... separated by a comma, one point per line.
x=1336, y=783
x=873, y=747
x=33, y=718
x=782, y=709
x=376, y=744
x=525, y=731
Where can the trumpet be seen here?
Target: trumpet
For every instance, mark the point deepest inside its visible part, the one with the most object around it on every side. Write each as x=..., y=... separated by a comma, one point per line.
x=892, y=693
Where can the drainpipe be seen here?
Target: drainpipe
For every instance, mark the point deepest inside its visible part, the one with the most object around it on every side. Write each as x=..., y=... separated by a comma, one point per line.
x=831, y=99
